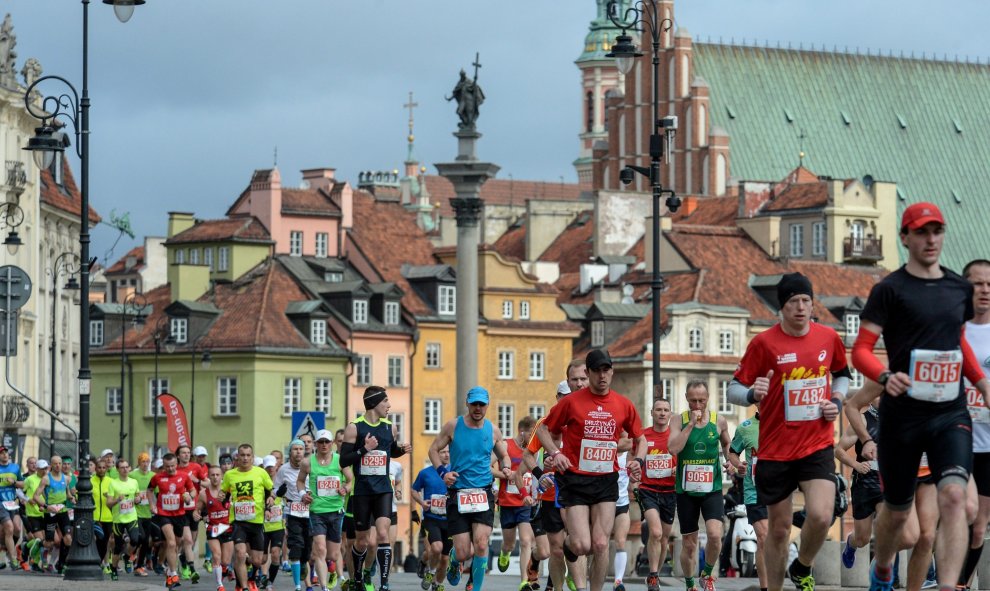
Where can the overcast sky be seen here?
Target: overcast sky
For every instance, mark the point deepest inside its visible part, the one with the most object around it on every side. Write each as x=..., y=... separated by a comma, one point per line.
x=191, y=96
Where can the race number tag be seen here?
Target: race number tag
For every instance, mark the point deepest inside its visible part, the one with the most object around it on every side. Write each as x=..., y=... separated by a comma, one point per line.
x=328, y=486
x=374, y=463
x=597, y=456
x=472, y=500
x=274, y=514
x=170, y=502
x=752, y=466
x=874, y=466
x=438, y=504
x=298, y=509
x=142, y=497
x=924, y=461
x=935, y=375
x=190, y=504
x=659, y=465
x=11, y=505
x=699, y=478
x=126, y=506
x=978, y=410
x=244, y=510
x=218, y=529
x=57, y=508
x=803, y=398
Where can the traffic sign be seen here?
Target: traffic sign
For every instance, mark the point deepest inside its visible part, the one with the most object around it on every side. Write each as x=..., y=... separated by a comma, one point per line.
x=307, y=422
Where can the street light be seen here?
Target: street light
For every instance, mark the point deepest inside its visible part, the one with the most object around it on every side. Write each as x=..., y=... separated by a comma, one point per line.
x=68, y=263
x=83, y=562
x=11, y=216
x=163, y=333
x=646, y=13
x=206, y=362
x=134, y=305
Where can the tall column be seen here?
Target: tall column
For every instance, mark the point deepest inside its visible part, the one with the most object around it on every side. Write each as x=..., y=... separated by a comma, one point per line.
x=467, y=175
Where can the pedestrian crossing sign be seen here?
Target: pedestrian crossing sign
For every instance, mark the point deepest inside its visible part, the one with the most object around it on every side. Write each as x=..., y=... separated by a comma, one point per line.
x=307, y=422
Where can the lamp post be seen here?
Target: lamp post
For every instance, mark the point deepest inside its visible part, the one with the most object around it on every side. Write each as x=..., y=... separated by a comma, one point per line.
x=83, y=562
x=68, y=263
x=163, y=333
x=207, y=362
x=645, y=13
x=133, y=305
x=11, y=216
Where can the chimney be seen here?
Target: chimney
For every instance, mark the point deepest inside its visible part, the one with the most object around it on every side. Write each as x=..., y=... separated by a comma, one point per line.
x=179, y=221
x=690, y=204
x=265, y=201
x=319, y=178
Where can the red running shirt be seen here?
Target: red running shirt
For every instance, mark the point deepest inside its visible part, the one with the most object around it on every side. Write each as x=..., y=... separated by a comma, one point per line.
x=169, y=493
x=534, y=448
x=791, y=426
x=590, y=426
x=509, y=494
x=217, y=511
x=660, y=463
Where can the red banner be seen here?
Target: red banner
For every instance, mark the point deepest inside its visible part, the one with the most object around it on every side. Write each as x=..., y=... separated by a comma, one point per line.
x=175, y=416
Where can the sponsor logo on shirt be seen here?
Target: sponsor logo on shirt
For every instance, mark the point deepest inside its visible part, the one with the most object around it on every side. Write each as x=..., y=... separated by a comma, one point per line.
x=593, y=428
x=822, y=356
x=786, y=358
x=599, y=413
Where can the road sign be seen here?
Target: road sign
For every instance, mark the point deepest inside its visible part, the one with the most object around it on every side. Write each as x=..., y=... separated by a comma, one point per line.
x=15, y=282
x=307, y=422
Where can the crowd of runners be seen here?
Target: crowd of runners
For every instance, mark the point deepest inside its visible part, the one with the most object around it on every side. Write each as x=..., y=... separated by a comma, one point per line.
x=561, y=486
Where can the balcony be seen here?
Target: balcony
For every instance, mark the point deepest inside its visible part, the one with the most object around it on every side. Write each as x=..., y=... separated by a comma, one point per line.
x=868, y=250
x=16, y=177
x=13, y=410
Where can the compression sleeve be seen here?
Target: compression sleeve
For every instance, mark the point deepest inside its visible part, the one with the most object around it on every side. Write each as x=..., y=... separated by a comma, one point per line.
x=349, y=454
x=397, y=451
x=840, y=385
x=738, y=393
x=971, y=365
x=863, y=357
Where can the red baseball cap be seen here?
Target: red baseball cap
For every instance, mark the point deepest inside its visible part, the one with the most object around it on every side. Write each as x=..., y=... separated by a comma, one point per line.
x=919, y=214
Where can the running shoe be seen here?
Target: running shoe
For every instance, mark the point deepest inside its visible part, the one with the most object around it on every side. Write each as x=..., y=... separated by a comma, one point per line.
x=194, y=577
x=525, y=586
x=469, y=586
x=503, y=562
x=269, y=587
x=185, y=573
x=332, y=579
x=366, y=579
x=3, y=565
x=848, y=553
x=708, y=583
x=533, y=574
x=427, y=581
x=114, y=575
x=653, y=582
x=876, y=583
x=806, y=583
x=172, y=582
x=384, y=587
x=570, y=583
x=208, y=566
x=314, y=579
x=929, y=584
x=421, y=569
x=252, y=585
x=222, y=588
x=438, y=587
x=106, y=569
x=286, y=567
x=128, y=566
x=13, y=565
x=140, y=572
x=453, y=570
x=549, y=584
x=618, y=586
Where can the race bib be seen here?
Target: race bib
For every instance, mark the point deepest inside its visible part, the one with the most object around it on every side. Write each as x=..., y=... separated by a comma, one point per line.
x=924, y=460
x=298, y=509
x=170, y=502
x=190, y=505
x=935, y=375
x=802, y=398
x=659, y=465
x=274, y=514
x=374, y=463
x=752, y=466
x=218, y=529
x=328, y=486
x=472, y=500
x=11, y=505
x=597, y=456
x=126, y=506
x=245, y=510
x=72, y=515
x=142, y=497
x=978, y=410
x=699, y=478
x=438, y=504
x=56, y=508
x=874, y=466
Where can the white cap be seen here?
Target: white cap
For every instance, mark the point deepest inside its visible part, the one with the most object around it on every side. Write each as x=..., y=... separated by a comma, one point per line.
x=158, y=464
x=199, y=451
x=269, y=461
x=563, y=388
x=41, y=465
x=324, y=434
x=257, y=460
x=106, y=452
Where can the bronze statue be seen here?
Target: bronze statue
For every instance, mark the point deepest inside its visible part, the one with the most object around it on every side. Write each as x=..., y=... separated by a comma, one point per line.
x=469, y=97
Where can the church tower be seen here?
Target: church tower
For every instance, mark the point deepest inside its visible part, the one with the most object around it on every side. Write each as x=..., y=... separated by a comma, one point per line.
x=600, y=78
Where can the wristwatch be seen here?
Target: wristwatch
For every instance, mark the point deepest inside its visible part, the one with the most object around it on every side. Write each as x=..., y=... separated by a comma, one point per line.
x=884, y=377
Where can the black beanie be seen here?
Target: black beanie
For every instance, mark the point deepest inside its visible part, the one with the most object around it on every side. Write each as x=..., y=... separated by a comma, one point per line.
x=793, y=284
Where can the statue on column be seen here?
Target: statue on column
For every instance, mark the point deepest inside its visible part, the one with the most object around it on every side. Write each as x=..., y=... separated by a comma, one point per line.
x=8, y=73
x=469, y=97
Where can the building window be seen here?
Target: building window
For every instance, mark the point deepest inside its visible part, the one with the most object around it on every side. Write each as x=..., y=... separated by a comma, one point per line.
x=506, y=363
x=725, y=341
x=392, y=313
x=290, y=395
x=506, y=419
x=318, y=331
x=95, y=333
x=360, y=312
x=208, y=257
x=667, y=389
x=537, y=411
x=295, y=243
x=154, y=390
x=857, y=381
x=818, y=239
x=433, y=355
x=399, y=422
x=507, y=309
x=230, y=450
x=724, y=407
x=227, y=397
x=797, y=240
x=324, y=391
x=447, y=299
x=857, y=232
x=362, y=369
x=193, y=256
x=394, y=371
x=223, y=256
x=322, y=239
x=333, y=277
x=180, y=256
x=537, y=365
x=852, y=325
x=180, y=330
x=597, y=333
x=695, y=341
x=524, y=310
x=431, y=415
x=114, y=401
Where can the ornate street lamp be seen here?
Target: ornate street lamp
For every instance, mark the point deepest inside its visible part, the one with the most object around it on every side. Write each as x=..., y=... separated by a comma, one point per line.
x=646, y=14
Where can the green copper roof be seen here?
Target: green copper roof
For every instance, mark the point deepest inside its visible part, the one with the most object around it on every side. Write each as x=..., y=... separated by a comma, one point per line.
x=602, y=33
x=924, y=124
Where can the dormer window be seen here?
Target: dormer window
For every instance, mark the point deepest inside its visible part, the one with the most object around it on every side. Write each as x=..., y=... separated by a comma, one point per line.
x=318, y=331
x=447, y=299
x=333, y=276
x=96, y=333
x=597, y=333
x=359, y=312
x=852, y=325
x=180, y=330
x=392, y=313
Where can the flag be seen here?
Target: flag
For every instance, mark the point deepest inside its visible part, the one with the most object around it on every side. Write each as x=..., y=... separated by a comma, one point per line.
x=175, y=416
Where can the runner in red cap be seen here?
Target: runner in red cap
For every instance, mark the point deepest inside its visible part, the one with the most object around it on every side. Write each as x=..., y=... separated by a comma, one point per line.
x=920, y=310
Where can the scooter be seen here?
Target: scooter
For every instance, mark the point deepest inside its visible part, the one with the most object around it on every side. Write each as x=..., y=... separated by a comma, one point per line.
x=741, y=542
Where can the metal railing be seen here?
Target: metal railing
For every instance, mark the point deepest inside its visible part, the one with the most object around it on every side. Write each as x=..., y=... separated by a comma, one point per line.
x=863, y=249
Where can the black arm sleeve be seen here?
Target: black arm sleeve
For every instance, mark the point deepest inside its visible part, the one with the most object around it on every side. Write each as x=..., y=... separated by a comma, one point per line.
x=397, y=451
x=842, y=373
x=349, y=454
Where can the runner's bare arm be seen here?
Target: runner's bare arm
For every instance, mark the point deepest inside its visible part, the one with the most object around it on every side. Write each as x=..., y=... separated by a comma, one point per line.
x=855, y=404
x=868, y=364
x=736, y=460
x=678, y=437
x=442, y=440
x=528, y=461
x=39, y=494
x=546, y=438
x=726, y=441
x=501, y=451
x=301, y=477
x=841, y=454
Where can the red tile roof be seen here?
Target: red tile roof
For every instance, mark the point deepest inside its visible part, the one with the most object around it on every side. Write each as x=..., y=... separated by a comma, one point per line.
x=308, y=201
x=513, y=243
x=503, y=192
x=709, y=211
x=67, y=197
x=242, y=229
x=800, y=196
x=574, y=246
x=121, y=265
